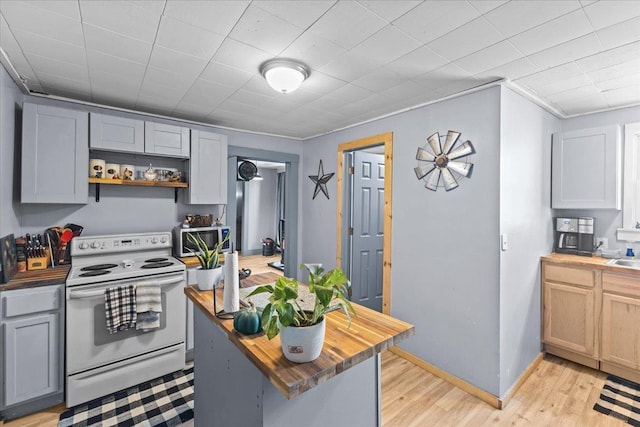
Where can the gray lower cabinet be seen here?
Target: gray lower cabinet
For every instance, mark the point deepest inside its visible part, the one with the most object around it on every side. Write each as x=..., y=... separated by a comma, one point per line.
x=207, y=169
x=55, y=155
x=586, y=169
x=32, y=359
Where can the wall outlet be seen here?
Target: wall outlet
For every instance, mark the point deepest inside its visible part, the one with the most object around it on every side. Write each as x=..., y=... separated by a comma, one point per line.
x=604, y=241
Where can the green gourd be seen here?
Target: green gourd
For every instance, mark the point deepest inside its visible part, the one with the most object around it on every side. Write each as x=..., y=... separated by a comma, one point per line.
x=247, y=321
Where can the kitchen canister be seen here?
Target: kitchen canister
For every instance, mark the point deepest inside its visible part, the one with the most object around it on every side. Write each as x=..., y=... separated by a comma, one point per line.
x=127, y=172
x=97, y=168
x=112, y=171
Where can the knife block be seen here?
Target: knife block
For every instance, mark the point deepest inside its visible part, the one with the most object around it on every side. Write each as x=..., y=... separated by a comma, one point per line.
x=39, y=263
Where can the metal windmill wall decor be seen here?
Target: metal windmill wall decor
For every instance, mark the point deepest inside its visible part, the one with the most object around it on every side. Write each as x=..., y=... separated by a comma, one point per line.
x=321, y=180
x=441, y=163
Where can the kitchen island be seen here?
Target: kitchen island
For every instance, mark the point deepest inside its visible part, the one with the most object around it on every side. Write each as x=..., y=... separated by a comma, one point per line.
x=245, y=380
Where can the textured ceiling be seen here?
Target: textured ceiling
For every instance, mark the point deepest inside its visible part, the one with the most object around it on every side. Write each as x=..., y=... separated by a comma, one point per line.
x=199, y=60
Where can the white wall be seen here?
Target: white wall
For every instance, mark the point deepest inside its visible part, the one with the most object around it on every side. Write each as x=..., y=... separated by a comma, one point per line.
x=607, y=221
x=445, y=274
x=260, y=210
x=525, y=217
x=10, y=123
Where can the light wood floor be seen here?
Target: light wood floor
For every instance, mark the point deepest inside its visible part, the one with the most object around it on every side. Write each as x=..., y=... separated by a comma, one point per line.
x=558, y=393
x=258, y=263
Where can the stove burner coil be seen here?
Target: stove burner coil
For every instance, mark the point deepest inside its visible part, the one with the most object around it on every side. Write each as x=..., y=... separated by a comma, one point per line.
x=94, y=273
x=98, y=267
x=157, y=265
x=156, y=260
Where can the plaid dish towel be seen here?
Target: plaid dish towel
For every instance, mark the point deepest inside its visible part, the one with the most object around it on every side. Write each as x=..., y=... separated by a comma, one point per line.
x=120, y=308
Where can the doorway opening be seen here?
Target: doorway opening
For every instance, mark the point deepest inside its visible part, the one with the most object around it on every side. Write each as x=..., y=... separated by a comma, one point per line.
x=364, y=218
x=260, y=215
x=264, y=209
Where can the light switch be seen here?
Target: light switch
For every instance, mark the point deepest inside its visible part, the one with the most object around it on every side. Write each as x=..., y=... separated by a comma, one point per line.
x=504, y=242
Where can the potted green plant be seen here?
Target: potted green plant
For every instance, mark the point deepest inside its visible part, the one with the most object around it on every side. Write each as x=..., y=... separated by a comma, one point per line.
x=210, y=271
x=302, y=331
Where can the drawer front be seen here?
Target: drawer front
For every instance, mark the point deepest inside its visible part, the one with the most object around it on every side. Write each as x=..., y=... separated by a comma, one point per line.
x=621, y=284
x=576, y=276
x=29, y=301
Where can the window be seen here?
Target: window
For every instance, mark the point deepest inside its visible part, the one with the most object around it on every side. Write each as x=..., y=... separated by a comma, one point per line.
x=630, y=230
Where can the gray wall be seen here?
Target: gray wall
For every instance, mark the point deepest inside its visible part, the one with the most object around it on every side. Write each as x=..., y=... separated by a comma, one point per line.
x=445, y=275
x=607, y=221
x=260, y=210
x=10, y=123
x=525, y=217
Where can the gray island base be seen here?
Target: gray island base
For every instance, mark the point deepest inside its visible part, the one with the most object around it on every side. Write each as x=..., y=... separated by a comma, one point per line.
x=230, y=390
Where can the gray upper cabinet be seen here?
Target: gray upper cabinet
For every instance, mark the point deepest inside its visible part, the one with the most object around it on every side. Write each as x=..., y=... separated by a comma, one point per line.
x=55, y=155
x=114, y=133
x=166, y=140
x=586, y=169
x=207, y=169
x=32, y=338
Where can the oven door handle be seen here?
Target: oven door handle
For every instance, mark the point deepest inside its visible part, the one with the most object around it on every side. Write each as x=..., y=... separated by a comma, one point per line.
x=91, y=294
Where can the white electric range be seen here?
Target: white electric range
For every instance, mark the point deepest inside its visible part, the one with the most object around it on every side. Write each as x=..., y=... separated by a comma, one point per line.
x=99, y=363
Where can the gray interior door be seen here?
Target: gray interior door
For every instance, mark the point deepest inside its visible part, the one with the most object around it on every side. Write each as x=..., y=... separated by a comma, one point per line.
x=367, y=238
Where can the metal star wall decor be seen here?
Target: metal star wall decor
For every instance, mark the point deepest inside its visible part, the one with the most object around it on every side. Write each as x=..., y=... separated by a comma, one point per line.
x=321, y=181
x=442, y=164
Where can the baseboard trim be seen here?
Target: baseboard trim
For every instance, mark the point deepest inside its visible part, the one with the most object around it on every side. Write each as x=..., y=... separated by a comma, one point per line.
x=523, y=377
x=570, y=355
x=461, y=384
x=481, y=394
x=35, y=405
x=620, y=371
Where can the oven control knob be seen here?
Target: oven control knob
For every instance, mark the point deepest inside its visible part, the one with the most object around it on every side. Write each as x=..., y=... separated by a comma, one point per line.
x=83, y=245
x=95, y=245
x=154, y=240
x=163, y=239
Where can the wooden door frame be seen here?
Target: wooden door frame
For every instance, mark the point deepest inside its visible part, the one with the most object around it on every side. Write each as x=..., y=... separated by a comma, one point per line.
x=385, y=139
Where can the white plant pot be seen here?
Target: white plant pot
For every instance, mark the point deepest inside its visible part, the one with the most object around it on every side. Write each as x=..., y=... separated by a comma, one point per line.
x=208, y=279
x=302, y=344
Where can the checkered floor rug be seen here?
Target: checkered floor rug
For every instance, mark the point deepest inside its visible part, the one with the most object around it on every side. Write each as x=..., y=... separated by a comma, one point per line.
x=165, y=401
x=620, y=398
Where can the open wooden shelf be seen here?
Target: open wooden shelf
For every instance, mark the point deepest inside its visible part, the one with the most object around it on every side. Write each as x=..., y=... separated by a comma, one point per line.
x=139, y=183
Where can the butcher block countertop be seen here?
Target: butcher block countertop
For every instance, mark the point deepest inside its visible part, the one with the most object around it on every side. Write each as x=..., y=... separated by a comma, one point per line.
x=370, y=333
x=589, y=262
x=192, y=261
x=35, y=278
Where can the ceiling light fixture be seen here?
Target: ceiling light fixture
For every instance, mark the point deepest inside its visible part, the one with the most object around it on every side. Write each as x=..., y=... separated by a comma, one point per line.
x=284, y=75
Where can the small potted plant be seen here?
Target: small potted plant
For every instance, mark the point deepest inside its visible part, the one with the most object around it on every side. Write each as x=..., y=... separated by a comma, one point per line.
x=210, y=272
x=302, y=332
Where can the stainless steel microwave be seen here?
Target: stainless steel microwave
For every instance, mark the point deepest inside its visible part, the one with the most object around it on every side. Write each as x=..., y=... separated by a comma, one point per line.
x=211, y=235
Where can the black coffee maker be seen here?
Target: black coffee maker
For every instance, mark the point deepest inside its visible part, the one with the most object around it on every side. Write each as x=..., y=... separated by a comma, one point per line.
x=566, y=235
